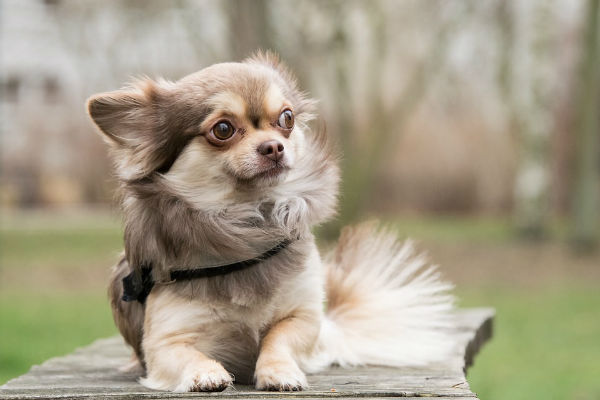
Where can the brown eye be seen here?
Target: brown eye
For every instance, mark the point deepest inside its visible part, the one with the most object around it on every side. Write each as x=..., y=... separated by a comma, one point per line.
x=222, y=130
x=286, y=119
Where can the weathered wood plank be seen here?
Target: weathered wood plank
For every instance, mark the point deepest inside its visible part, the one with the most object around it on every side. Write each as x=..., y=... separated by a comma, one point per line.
x=92, y=372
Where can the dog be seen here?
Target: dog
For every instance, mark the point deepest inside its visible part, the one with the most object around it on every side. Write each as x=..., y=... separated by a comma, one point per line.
x=221, y=179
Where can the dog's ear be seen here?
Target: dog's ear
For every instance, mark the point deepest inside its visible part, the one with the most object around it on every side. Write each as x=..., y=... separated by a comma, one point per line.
x=135, y=123
x=124, y=116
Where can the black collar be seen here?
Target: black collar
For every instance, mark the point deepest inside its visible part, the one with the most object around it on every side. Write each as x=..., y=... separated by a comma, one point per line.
x=138, y=284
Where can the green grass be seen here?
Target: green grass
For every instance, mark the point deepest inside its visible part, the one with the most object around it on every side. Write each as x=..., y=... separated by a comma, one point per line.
x=58, y=242
x=59, y=249
x=457, y=228
x=35, y=327
x=38, y=321
x=454, y=228
x=546, y=343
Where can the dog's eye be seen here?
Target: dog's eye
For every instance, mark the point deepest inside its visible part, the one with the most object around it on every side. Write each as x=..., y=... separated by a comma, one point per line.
x=223, y=130
x=286, y=119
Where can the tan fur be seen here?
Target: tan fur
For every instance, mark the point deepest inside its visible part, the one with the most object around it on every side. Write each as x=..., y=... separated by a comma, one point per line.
x=340, y=292
x=276, y=367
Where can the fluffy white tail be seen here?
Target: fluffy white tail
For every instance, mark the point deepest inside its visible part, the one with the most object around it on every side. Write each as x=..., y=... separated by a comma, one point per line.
x=385, y=306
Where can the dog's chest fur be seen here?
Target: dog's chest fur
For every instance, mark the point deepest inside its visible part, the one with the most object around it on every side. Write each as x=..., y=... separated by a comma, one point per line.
x=256, y=286
x=229, y=315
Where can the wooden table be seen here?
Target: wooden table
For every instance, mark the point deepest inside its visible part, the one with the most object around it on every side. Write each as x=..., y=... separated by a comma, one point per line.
x=92, y=373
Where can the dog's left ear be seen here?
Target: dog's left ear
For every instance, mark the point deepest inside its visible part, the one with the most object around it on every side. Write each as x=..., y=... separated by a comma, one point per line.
x=134, y=123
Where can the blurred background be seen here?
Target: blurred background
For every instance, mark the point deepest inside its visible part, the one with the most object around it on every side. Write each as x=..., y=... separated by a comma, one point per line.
x=472, y=126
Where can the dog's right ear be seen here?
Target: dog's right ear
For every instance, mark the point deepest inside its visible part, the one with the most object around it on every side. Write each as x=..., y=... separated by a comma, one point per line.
x=124, y=116
x=133, y=124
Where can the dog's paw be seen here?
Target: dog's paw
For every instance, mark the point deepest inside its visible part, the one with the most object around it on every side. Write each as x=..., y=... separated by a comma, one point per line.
x=279, y=376
x=209, y=377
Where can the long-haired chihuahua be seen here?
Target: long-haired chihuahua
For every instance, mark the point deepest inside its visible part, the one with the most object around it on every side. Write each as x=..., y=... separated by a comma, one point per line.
x=221, y=180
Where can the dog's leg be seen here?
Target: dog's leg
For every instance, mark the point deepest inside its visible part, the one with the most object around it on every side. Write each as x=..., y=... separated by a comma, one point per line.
x=174, y=332
x=182, y=368
x=276, y=368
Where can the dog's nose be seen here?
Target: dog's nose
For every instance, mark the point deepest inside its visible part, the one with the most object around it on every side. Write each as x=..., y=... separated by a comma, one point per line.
x=272, y=149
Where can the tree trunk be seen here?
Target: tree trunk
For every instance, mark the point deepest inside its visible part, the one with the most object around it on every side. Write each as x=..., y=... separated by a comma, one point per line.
x=585, y=215
x=250, y=29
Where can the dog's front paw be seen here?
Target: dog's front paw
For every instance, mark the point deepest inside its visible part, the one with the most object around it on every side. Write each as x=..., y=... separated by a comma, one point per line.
x=279, y=375
x=208, y=377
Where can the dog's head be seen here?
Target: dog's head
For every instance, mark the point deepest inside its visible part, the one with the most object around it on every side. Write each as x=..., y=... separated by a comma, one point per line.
x=230, y=133
x=244, y=121
x=218, y=165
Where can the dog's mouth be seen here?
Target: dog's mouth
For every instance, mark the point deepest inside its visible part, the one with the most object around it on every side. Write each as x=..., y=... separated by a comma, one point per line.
x=270, y=174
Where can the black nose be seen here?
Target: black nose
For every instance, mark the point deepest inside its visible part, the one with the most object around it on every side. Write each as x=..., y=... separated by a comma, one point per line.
x=271, y=149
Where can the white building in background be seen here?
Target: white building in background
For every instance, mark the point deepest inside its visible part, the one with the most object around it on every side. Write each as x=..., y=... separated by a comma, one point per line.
x=54, y=54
